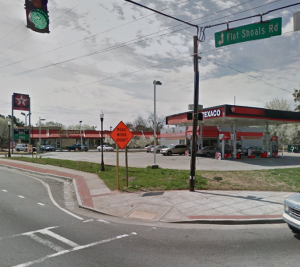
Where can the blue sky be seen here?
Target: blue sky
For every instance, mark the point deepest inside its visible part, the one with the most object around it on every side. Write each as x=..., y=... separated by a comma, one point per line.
x=104, y=55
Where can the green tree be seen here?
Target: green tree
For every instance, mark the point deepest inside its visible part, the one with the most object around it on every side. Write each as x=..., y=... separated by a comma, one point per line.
x=296, y=96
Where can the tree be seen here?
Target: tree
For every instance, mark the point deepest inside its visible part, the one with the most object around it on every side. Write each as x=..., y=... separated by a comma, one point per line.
x=296, y=96
x=140, y=124
x=278, y=104
x=3, y=132
x=160, y=122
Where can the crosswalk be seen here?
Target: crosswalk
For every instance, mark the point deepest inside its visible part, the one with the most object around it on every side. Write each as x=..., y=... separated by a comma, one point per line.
x=58, y=243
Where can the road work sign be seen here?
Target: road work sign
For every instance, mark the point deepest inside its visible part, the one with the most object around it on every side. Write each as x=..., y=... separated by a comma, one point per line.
x=250, y=32
x=121, y=135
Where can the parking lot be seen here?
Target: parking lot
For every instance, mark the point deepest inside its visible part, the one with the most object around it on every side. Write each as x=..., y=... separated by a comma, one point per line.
x=143, y=159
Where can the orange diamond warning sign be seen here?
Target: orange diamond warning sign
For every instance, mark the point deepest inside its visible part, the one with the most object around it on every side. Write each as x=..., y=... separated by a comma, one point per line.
x=121, y=135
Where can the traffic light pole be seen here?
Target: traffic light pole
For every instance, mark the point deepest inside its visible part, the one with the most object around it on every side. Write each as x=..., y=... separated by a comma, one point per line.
x=196, y=94
x=195, y=116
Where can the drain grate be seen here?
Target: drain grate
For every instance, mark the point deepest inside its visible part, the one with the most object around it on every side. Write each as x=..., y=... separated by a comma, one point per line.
x=150, y=194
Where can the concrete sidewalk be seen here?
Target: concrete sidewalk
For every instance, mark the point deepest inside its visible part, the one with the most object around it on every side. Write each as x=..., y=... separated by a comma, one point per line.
x=231, y=207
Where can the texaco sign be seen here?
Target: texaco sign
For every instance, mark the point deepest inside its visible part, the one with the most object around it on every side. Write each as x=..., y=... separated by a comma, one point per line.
x=21, y=102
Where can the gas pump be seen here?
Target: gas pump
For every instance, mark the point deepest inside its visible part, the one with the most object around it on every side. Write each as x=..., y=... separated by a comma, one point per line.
x=274, y=146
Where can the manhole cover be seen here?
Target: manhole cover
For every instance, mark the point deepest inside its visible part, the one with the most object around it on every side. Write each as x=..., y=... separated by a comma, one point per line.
x=150, y=194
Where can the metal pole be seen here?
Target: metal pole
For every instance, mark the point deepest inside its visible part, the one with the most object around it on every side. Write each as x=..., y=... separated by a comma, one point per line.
x=126, y=165
x=154, y=149
x=80, y=135
x=40, y=134
x=29, y=127
x=102, y=163
x=9, y=155
x=195, y=116
x=12, y=123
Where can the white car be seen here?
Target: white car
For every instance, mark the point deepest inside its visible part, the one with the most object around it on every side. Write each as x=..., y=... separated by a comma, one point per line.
x=105, y=148
x=291, y=213
x=21, y=147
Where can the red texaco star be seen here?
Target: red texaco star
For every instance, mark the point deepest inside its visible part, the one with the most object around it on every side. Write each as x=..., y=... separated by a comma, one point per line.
x=21, y=101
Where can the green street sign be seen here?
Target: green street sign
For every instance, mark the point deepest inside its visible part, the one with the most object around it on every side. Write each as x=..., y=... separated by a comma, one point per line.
x=250, y=32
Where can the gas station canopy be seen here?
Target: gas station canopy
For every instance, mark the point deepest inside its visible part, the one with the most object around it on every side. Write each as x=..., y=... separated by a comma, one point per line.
x=227, y=115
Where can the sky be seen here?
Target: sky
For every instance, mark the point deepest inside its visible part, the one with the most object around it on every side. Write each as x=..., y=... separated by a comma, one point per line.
x=103, y=56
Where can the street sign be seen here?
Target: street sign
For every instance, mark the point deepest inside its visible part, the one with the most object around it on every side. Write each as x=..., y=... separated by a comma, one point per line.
x=121, y=135
x=250, y=32
x=21, y=134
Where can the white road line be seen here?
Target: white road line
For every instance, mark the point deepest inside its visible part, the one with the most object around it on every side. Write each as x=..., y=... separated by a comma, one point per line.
x=21, y=197
x=74, y=249
x=46, y=243
x=88, y=221
x=4, y=190
x=103, y=221
x=54, y=202
x=60, y=238
x=41, y=204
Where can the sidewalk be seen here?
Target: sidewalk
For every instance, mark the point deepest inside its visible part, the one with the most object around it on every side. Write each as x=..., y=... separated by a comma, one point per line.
x=231, y=207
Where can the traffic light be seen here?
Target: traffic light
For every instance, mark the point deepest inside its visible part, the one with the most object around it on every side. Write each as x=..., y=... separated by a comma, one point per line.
x=37, y=15
x=190, y=116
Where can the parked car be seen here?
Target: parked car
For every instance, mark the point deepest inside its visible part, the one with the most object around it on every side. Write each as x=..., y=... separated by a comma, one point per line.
x=174, y=149
x=47, y=148
x=158, y=148
x=291, y=213
x=105, y=148
x=208, y=151
x=148, y=148
x=256, y=150
x=21, y=147
x=77, y=147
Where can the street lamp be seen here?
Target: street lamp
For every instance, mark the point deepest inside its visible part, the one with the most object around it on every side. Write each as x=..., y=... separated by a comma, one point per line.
x=101, y=119
x=25, y=118
x=40, y=133
x=154, y=166
x=80, y=133
x=9, y=124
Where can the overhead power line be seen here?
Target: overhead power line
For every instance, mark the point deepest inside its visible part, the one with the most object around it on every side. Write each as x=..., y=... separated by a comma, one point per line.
x=135, y=41
x=140, y=38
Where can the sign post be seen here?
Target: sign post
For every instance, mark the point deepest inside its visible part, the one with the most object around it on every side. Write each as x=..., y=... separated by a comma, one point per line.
x=250, y=32
x=121, y=135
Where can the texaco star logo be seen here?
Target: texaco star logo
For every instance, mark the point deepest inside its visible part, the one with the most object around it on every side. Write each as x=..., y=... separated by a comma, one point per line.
x=21, y=100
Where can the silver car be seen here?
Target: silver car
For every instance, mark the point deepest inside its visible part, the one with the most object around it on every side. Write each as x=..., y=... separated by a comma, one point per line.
x=208, y=151
x=174, y=149
x=158, y=148
x=291, y=213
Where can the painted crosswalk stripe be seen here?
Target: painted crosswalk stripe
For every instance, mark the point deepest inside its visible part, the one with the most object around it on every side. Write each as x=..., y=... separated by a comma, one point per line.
x=88, y=221
x=103, y=221
x=41, y=204
x=21, y=197
x=46, y=242
x=4, y=190
x=60, y=238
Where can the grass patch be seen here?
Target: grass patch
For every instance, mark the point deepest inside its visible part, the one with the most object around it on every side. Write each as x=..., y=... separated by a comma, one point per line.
x=148, y=179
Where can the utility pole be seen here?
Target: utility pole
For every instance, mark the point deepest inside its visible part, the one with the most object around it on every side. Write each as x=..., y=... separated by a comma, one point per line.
x=196, y=93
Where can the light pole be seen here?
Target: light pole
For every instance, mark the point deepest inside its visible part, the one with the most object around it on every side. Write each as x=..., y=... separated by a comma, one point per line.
x=40, y=133
x=80, y=133
x=154, y=166
x=101, y=119
x=25, y=118
x=9, y=124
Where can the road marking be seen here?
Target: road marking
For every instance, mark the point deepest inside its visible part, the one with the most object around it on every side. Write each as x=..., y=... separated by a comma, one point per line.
x=88, y=221
x=60, y=238
x=4, y=190
x=41, y=204
x=74, y=249
x=46, y=242
x=54, y=202
x=21, y=197
x=103, y=221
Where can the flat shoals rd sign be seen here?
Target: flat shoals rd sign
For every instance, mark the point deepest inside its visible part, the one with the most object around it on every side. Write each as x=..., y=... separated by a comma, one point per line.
x=121, y=135
x=250, y=32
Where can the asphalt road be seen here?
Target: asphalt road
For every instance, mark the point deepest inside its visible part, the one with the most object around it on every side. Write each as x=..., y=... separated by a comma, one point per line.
x=39, y=230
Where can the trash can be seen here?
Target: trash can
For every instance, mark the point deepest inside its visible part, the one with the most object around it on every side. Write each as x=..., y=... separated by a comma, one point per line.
x=264, y=154
x=238, y=155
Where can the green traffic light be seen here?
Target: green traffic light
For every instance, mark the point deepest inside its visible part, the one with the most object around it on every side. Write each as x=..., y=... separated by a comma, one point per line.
x=39, y=18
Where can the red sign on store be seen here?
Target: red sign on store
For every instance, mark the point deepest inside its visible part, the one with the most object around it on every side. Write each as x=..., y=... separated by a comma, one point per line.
x=121, y=135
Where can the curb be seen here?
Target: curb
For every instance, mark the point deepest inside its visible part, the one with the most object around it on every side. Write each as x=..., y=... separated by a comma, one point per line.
x=192, y=221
